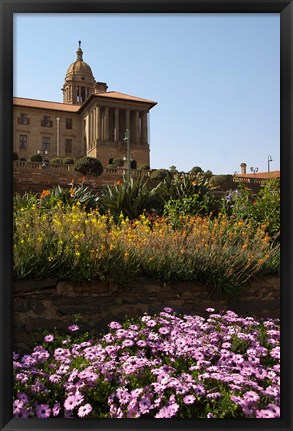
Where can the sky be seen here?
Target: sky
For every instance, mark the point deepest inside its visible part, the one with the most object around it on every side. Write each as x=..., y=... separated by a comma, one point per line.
x=215, y=78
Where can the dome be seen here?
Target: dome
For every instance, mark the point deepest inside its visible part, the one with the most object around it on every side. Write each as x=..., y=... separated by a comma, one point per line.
x=79, y=70
x=79, y=67
x=79, y=81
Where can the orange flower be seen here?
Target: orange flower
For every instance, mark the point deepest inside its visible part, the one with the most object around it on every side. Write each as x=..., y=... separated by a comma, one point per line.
x=45, y=193
x=119, y=182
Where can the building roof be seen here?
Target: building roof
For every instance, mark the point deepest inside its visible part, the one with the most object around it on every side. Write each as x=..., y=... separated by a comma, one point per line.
x=122, y=96
x=44, y=104
x=260, y=175
x=56, y=106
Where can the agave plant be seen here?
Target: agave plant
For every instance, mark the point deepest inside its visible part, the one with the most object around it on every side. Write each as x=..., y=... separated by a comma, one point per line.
x=181, y=186
x=131, y=198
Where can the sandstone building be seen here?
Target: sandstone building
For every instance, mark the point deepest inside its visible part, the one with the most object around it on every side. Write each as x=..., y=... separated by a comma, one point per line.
x=91, y=121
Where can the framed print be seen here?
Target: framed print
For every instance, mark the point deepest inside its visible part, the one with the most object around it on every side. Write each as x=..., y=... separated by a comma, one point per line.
x=146, y=240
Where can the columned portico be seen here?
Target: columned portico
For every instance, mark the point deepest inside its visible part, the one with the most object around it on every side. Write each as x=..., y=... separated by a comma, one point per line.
x=98, y=124
x=106, y=124
x=93, y=120
x=116, y=129
x=144, y=128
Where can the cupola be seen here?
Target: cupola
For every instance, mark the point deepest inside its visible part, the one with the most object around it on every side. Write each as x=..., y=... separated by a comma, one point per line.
x=79, y=81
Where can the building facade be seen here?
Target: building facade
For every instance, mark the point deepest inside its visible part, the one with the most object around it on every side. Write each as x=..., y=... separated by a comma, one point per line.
x=91, y=121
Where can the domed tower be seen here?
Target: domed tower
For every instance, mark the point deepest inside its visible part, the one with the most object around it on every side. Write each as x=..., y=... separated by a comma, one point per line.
x=79, y=81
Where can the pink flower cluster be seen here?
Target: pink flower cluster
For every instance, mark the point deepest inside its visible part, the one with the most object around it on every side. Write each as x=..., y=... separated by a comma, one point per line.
x=164, y=366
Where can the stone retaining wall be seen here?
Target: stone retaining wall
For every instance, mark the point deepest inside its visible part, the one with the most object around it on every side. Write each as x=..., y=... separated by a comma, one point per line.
x=52, y=303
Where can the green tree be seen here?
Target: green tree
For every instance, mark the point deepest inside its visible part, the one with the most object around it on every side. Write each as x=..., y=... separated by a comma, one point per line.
x=36, y=158
x=89, y=166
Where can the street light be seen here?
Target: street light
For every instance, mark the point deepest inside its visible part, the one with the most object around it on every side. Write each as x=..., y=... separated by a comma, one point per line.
x=269, y=160
x=44, y=152
x=127, y=140
x=254, y=170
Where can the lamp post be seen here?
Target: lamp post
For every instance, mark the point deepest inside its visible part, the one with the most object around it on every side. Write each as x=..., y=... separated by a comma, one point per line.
x=254, y=170
x=44, y=153
x=127, y=140
x=269, y=160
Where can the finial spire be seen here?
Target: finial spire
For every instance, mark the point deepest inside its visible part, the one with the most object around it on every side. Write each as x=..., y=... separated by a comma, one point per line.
x=79, y=51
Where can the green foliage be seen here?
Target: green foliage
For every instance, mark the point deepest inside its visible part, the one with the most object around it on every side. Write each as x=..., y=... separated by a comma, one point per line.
x=56, y=161
x=262, y=208
x=196, y=170
x=181, y=186
x=67, y=242
x=80, y=194
x=15, y=155
x=208, y=174
x=68, y=161
x=36, y=158
x=118, y=163
x=222, y=182
x=159, y=174
x=144, y=166
x=89, y=166
x=173, y=169
x=130, y=198
x=203, y=204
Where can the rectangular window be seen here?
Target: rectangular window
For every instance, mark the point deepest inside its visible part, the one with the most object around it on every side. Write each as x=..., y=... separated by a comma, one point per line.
x=46, y=121
x=46, y=145
x=68, y=123
x=68, y=146
x=23, y=142
x=23, y=119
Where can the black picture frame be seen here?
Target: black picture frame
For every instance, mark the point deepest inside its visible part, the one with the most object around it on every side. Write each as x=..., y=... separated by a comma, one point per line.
x=10, y=7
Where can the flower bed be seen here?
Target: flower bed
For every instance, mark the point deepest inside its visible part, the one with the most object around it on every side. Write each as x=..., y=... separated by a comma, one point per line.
x=69, y=243
x=160, y=366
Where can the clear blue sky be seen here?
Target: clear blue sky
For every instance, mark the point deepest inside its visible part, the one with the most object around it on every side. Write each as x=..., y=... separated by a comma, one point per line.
x=216, y=78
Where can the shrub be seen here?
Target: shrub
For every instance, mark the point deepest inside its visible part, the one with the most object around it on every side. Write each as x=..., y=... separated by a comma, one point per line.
x=222, y=366
x=129, y=198
x=196, y=170
x=36, y=158
x=56, y=161
x=181, y=186
x=118, y=163
x=262, y=209
x=208, y=174
x=222, y=182
x=67, y=242
x=89, y=166
x=68, y=161
x=159, y=174
x=144, y=166
x=15, y=155
x=173, y=169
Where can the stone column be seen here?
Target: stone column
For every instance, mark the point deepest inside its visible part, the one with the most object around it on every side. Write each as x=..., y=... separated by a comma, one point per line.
x=93, y=127
x=106, y=124
x=87, y=132
x=116, y=130
x=144, y=128
x=98, y=124
x=136, y=127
